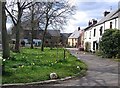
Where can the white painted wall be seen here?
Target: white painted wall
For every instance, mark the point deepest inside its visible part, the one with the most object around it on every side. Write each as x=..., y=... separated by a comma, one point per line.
x=97, y=34
x=114, y=24
x=97, y=37
x=87, y=36
x=118, y=23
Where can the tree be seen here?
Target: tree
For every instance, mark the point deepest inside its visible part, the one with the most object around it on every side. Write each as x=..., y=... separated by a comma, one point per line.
x=53, y=15
x=16, y=15
x=110, y=43
x=33, y=23
x=5, y=41
x=30, y=21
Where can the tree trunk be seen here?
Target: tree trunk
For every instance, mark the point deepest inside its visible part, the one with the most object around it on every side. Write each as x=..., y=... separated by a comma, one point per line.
x=32, y=38
x=18, y=26
x=32, y=24
x=5, y=41
x=43, y=39
x=17, y=43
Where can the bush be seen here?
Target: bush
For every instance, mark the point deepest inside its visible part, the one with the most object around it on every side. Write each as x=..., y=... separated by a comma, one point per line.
x=98, y=53
x=87, y=46
x=110, y=43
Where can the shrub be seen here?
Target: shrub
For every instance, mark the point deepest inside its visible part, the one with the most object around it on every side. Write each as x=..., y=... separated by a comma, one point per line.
x=87, y=46
x=110, y=43
x=98, y=53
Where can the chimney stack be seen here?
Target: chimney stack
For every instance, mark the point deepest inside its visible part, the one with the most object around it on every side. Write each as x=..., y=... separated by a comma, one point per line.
x=106, y=13
x=94, y=21
x=89, y=23
x=78, y=28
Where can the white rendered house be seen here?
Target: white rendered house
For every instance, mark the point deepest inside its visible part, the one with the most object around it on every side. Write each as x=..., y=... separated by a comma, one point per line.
x=73, y=39
x=109, y=21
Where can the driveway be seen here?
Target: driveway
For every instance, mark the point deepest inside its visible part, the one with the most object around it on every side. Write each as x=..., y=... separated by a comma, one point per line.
x=101, y=71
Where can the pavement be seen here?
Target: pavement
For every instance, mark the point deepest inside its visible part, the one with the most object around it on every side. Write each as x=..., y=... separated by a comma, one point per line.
x=101, y=72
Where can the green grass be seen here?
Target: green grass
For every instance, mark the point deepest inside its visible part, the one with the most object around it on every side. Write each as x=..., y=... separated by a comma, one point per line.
x=118, y=60
x=32, y=65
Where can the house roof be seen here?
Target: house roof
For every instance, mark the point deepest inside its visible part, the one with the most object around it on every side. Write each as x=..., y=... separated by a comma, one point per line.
x=66, y=35
x=54, y=32
x=110, y=16
x=75, y=34
x=89, y=27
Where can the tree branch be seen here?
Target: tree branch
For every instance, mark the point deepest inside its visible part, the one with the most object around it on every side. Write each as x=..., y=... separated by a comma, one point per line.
x=11, y=16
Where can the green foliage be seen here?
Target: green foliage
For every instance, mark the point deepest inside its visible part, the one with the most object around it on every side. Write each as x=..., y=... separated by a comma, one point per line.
x=98, y=52
x=110, y=44
x=87, y=46
x=32, y=65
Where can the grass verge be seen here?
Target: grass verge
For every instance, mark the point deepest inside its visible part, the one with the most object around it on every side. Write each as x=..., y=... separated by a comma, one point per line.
x=32, y=65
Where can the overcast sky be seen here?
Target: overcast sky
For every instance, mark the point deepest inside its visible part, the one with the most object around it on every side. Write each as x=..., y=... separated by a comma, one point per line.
x=87, y=10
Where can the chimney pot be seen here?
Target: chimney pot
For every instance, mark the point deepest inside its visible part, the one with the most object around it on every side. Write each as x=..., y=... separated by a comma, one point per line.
x=89, y=23
x=78, y=28
x=106, y=13
x=94, y=21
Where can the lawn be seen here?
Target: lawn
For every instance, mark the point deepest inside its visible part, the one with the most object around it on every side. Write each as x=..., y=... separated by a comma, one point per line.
x=32, y=65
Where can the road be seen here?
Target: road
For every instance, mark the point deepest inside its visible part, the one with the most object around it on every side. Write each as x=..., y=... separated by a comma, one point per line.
x=101, y=71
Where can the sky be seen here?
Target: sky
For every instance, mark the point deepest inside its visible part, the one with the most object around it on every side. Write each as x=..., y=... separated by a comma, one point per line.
x=88, y=10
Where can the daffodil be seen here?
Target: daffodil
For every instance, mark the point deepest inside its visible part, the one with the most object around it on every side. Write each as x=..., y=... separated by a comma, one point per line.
x=4, y=59
x=33, y=63
x=22, y=66
x=78, y=67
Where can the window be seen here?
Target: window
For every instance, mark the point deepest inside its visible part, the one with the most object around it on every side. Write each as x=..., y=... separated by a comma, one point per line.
x=110, y=25
x=94, y=32
x=75, y=39
x=69, y=43
x=72, y=42
x=101, y=29
x=94, y=43
x=90, y=35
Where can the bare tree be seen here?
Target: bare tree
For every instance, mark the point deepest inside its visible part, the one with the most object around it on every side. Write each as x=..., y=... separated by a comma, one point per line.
x=34, y=22
x=30, y=19
x=5, y=42
x=53, y=15
x=16, y=13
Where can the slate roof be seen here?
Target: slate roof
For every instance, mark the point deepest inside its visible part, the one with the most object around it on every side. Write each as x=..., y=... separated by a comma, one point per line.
x=110, y=16
x=66, y=35
x=89, y=27
x=75, y=34
x=54, y=32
